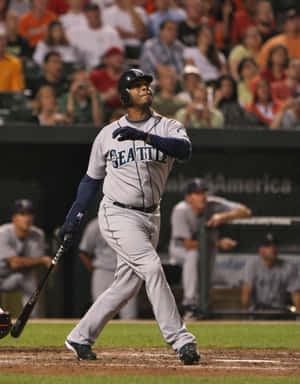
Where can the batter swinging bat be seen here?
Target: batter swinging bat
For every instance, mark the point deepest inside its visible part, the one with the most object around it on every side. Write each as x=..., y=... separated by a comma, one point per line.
x=28, y=308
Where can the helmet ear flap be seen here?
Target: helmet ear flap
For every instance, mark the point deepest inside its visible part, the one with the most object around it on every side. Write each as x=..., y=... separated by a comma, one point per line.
x=125, y=97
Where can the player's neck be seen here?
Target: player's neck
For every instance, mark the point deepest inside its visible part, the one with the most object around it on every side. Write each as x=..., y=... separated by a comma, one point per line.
x=137, y=114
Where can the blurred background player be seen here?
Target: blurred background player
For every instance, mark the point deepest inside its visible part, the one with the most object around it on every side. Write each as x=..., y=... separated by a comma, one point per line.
x=184, y=246
x=22, y=248
x=269, y=280
x=101, y=261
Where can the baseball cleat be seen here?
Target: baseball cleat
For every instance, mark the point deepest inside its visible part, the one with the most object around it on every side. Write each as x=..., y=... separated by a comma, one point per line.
x=188, y=354
x=83, y=351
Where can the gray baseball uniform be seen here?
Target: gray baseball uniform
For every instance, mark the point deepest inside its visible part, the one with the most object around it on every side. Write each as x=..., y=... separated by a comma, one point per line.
x=10, y=245
x=135, y=174
x=104, y=261
x=185, y=225
x=270, y=285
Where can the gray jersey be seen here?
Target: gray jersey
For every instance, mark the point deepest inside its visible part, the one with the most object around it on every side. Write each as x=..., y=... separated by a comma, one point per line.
x=135, y=172
x=93, y=244
x=270, y=285
x=10, y=245
x=185, y=223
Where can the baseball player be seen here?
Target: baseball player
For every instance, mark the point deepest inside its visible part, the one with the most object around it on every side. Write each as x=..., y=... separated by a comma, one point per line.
x=101, y=261
x=134, y=156
x=269, y=280
x=184, y=245
x=22, y=248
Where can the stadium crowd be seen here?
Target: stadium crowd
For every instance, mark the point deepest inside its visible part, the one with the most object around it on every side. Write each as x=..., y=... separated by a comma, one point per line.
x=216, y=63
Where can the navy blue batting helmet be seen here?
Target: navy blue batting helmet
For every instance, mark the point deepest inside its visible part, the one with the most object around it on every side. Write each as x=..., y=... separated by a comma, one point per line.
x=126, y=81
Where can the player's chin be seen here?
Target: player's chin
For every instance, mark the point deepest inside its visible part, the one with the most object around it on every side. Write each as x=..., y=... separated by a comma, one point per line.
x=146, y=101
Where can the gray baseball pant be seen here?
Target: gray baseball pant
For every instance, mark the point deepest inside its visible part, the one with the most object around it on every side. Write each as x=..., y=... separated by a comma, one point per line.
x=101, y=280
x=133, y=235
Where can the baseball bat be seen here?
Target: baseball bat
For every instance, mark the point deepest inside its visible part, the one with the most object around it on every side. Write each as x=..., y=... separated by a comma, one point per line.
x=21, y=321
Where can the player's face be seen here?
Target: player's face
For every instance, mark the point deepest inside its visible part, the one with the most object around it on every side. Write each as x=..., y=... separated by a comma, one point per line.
x=141, y=93
x=268, y=253
x=197, y=200
x=23, y=221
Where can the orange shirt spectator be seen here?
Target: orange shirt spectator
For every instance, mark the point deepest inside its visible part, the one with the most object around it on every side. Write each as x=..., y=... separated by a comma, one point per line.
x=289, y=38
x=33, y=25
x=11, y=74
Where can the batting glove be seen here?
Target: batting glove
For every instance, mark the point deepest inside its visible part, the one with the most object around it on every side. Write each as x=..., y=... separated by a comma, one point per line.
x=129, y=133
x=70, y=226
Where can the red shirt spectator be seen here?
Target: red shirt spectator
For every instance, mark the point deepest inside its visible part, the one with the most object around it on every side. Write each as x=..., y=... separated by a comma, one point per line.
x=60, y=6
x=243, y=19
x=283, y=90
x=106, y=79
x=277, y=64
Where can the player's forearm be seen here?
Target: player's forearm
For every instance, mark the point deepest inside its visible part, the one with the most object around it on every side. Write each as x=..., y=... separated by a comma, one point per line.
x=179, y=148
x=245, y=297
x=86, y=261
x=296, y=300
x=17, y=263
x=87, y=189
x=239, y=213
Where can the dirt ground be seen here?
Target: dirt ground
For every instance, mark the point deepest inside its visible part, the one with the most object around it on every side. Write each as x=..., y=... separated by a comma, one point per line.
x=150, y=361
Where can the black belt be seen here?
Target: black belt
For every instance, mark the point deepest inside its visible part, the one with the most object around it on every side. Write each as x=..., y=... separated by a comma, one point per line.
x=146, y=210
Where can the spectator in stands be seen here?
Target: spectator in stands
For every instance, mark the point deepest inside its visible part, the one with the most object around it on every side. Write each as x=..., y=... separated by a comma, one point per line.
x=247, y=70
x=268, y=279
x=265, y=20
x=283, y=90
x=47, y=108
x=56, y=41
x=277, y=64
x=242, y=19
x=53, y=75
x=131, y=22
x=106, y=79
x=226, y=101
x=163, y=51
x=16, y=44
x=289, y=116
x=206, y=57
x=23, y=249
x=164, y=10
x=3, y=10
x=191, y=76
x=166, y=102
x=74, y=17
x=250, y=47
x=34, y=24
x=188, y=28
x=222, y=26
x=94, y=40
x=11, y=72
x=198, y=114
x=263, y=105
x=82, y=103
x=19, y=6
x=60, y=7
x=199, y=206
x=290, y=38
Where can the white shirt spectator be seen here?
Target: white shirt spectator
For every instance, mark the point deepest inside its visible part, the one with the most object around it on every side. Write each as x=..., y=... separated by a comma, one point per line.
x=91, y=44
x=208, y=70
x=117, y=17
x=102, y=4
x=70, y=20
x=67, y=52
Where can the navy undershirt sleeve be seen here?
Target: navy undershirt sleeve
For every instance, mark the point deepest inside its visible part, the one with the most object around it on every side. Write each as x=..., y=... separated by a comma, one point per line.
x=179, y=148
x=87, y=189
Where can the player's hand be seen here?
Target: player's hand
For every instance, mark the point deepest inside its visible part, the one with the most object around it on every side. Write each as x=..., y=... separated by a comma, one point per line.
x=46, y=261
x=129, y=133
x=70, y=226
x=216, y=220
x=226, y=243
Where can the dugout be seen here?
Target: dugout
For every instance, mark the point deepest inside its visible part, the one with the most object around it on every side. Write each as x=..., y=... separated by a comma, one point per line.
x=256, y=167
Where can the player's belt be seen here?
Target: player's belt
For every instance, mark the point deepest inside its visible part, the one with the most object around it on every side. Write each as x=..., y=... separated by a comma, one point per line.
x=146, y=209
